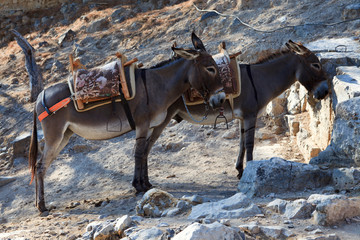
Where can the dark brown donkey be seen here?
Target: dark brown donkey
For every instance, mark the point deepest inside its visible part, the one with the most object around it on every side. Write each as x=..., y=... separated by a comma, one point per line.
x=260, y=83
x=164, y=84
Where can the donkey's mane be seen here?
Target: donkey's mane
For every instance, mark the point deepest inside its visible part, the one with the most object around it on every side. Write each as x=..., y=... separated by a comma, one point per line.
x=165, y=62
x=269, y=54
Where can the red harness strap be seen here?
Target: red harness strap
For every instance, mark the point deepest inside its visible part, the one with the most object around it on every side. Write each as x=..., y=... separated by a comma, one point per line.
x=56, y=107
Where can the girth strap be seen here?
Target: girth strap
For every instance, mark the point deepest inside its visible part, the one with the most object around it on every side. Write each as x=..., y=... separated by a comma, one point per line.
x=126, y=107
x=248, y=70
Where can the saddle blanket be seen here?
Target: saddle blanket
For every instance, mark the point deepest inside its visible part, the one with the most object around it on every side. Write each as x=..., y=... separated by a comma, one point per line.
x=101, y=85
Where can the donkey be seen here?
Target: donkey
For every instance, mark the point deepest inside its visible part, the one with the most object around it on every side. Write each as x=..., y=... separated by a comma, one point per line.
x=157, y=89
x=260, y=83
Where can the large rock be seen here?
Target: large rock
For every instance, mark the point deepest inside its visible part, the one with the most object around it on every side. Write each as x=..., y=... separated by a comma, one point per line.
x=332, y=209
x=277, y=175
x=213, y=231
x=344, y=149
x=237, y=206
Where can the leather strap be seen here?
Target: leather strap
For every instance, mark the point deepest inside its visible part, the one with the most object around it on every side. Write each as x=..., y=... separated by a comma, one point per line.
x=54, y=108
x=126, y=107
x=252, y=82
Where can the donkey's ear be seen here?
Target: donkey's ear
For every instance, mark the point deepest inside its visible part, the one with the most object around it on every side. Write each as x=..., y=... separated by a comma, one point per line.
x=296, y=47
x=198, y=44
x=188, y=54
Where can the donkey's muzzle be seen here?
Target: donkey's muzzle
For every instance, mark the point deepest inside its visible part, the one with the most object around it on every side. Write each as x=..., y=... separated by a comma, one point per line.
x=321, y=91
x=217, y=100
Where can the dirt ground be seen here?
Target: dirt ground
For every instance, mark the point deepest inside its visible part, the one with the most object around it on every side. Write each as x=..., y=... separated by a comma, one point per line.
x=91, y=180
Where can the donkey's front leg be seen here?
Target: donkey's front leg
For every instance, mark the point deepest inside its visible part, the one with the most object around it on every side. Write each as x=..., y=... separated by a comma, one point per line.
x=249, y=132
x=140, y=182
x=240, y=159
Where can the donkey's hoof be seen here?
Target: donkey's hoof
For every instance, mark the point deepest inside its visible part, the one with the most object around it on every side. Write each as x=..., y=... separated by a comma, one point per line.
x=240, y=175
x=44, y=214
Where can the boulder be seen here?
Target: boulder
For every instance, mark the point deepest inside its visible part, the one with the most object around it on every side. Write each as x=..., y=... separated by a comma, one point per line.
x=237, y=206
x=277, y=175
x=213, y=231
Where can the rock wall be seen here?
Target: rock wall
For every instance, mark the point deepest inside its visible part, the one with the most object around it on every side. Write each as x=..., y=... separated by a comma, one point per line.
x=311, y=121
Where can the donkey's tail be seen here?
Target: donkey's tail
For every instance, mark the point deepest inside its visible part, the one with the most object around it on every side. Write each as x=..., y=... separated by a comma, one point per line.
x=33, y=152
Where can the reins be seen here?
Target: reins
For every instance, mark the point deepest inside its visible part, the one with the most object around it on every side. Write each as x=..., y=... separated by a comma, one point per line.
x=191, y=116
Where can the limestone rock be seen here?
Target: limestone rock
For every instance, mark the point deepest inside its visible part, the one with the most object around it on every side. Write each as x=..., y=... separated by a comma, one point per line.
x=332, y=209
x=147, y=234
x=299, y=209
x=237, y=206
x=346, y=85
x=277, y=175
x=213, y=231
x=155, y=202
x=6, y=180
x=267, y=232
x=21, y=145
x=278, y=205
x=122, y=223
x=344, y=150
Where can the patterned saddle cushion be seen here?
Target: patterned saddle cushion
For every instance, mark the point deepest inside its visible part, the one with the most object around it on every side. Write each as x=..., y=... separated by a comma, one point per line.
x=98, y=83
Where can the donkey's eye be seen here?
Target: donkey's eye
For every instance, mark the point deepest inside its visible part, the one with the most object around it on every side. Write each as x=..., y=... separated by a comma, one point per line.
x=211, y=69
x=317, y=66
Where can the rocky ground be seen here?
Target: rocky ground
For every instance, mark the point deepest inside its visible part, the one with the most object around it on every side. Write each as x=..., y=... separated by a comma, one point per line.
x=91, y=180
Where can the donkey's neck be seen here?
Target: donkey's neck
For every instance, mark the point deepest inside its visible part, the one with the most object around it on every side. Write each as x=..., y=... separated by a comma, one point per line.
x=170, y=81
x=274, y=77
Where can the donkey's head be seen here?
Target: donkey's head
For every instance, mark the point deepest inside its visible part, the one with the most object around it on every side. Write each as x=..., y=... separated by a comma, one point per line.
x=204, y=73
x=309, y=72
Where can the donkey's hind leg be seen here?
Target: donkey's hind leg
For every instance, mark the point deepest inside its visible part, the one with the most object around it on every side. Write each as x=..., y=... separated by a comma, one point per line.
x=51, y=150
x=151, y=141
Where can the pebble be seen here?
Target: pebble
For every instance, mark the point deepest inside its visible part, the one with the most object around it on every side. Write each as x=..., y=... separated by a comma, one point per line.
x=163, y=224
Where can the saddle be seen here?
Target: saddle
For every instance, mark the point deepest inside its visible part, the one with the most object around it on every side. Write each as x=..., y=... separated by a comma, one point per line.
x=101, y=85
x=230, y=76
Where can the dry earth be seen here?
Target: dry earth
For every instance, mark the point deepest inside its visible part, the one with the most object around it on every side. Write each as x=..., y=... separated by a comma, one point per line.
x=92, y=179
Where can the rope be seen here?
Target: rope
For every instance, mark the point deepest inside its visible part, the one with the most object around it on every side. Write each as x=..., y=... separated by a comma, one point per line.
x=192, y=118
x=276, y=29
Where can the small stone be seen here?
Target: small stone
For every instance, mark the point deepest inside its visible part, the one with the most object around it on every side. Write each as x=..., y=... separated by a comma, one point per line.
x=163, y=224
x=310, y=228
